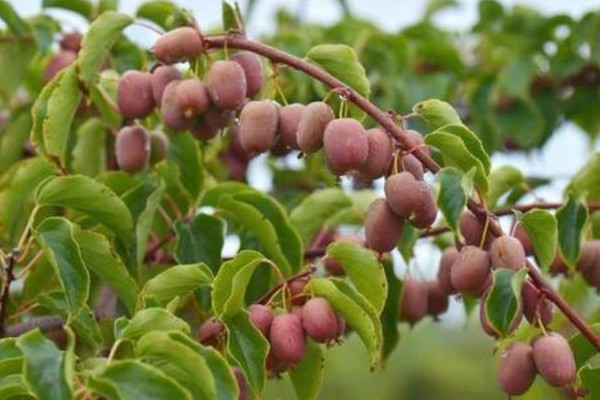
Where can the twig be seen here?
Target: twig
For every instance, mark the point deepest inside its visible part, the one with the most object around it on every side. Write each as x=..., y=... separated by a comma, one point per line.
x=8, y=279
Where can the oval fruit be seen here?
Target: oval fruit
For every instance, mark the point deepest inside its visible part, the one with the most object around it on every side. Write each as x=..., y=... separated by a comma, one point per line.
x=449, y=255
x=346, y=145
x=413, y=301
x=312, y=125
x=554, y=359
x=382, y=227
x=516, y=371
x=59, y=62
x=507, y=252
x=132, y=148
x=134, y=94
x=250, y=63
x=287, y=339
x=172, y=116
x=261, y=316
x=159, y=146
x=380, y=155
x=161, y=77
x=534, y=305
x=210, y=332
x=289, y=120
x=401, y=193
x=180, y=44
x=192, y=97
x=437, y=299
x=226, y=83
x=410, y=163
x=588, y=263
x=319, y=320
x=258, y=125
x=470, y=271
x=472, y=229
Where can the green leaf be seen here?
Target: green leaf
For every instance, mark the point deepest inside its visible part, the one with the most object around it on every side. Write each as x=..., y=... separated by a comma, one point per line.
x=60, y=113
x=232, y=18
x=184, y=150
x=571, y=220
x=434, y=6
x=15, y=57
x=583, y=350
x=90, y=197
x=39, y=112
x=540, y=226
x=200, y=241
x=309, y=216
x=587, y=181
x=89, y=153
x=502, y=180
x=307, y=376
x=14, y=387
x=46, y=368
x=457, y=154
x=408, y=238
x=249, y=348
x=132, y=380
x=145, y=220
x=229, y=286
x=342, y=62
x=453, y=195
x=590, y=379
x=389, y=315
x=56, y=237
x=17, y=186
x=81, y=7
x=472, y=142
x=98, y=41
x=515, y=77
x=156, y=11
x=100, y=258
x=354, y=314
x=212, y=196
x=190, y=369
x=503, y=302
x=178, y=280
x=152, y=319
x=13, y=21
x=437, y=113
x=363, y=269
x=17, y=130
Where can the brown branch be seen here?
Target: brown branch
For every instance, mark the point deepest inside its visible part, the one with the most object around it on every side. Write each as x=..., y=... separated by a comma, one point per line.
x=387, y=122
x=8, y=279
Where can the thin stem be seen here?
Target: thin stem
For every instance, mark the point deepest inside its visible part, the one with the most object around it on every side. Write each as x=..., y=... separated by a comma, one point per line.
x=8, y=279
x=396, y=132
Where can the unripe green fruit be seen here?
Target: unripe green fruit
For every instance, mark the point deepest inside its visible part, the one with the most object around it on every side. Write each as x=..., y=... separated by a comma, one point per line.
x=382, y=227
x=59, y=62
x=211, y=333
x=218, y=118
x=534, y=306
x=161, y=77
x=192, y=97
x=242, y=385
x=516, y=371
x=588, y=264
x=449, y=255
x=507, y=252
x=426, y=210
x=554, y=359
x=202, y=130
x=312, y=125
x=413, y=301
x=287, y=339
x=381, y=152
x=412, y=164
x=250, y=62
x=346, y=145
x=134, y=94
x=472, y=229
x=470, y=270
x=71, y=41
x=289, y=119
x=437, y=299
x=401, y=193
x=132, y=148
x=226, y=83
x=319, y=320
x=258, y=125
x=159, y=147
x=180, y=44
x=261, y=316
x=172, y=116
x=520, y=233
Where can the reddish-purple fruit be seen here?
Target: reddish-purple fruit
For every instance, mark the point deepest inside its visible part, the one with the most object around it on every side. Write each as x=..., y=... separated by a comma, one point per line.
x=516, y=371
x=132, y=148
x=554, y=359
x=472, y=229
x=410, y=163
x=226, y=83
x=535, y=307
x=240, y=378
x=437, y=299
x=202, y=130
x=470, y=270
x=521, y=234
x=588, y=264
x=415, y=140
x=250, y=62
x=192, y=97
x=210, y=333
x=382, y=227
x=172, y=116
x=346, y=145
x=289, y=119
x=161, y=77
x=449, y=255
x=315, y=118
x=402, y=194
x=134, y=94
x=319, y=320
x=59, y=62
x=287, y=339
x=258, y=125
x=261, y=316
x=296, y=291
x=413, y=301
x=218, y=118
x=180, y=44
x=507, y=252
x=426, y=210
x=381, y=152
x=274, y=365
x=71, y=41
x=159, y=146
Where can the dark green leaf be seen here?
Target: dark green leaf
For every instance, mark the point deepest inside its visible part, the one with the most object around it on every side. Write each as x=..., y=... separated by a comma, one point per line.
x=453, y=195
x=583, y=350
x=200, y=241
x=540, y=226
x=184, y=151
x=389, y=315
x=81, y=7
x=571, y=220
x=590, y=379
x=503, y=302
x=145, y=220
x=307, y=376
